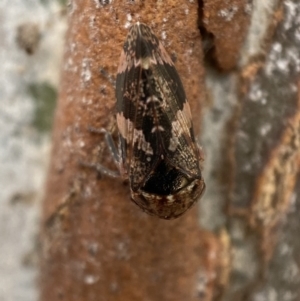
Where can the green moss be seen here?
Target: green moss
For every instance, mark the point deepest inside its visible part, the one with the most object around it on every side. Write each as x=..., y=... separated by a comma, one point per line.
x=61, y=2
x=45, y=97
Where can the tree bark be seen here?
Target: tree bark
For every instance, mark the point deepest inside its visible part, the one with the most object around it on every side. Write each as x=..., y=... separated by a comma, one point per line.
x=97, y=244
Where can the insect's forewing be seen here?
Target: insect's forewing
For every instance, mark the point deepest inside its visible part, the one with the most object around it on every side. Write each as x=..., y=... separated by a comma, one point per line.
x=153, y=115
x=179, y=144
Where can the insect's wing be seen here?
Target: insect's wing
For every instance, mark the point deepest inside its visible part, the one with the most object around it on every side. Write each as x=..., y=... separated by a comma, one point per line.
x=178, y=140
x=153, y=115
x=137, y=154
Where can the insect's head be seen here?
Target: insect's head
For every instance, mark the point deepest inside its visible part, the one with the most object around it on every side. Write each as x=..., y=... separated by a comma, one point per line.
x=170, y=206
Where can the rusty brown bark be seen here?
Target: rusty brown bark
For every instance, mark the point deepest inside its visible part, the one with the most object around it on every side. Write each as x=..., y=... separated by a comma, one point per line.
x=228, y=23
x=98, y=245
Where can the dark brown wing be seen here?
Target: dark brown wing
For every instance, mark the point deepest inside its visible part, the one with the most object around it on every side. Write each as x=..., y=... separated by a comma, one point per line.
x=152, y=112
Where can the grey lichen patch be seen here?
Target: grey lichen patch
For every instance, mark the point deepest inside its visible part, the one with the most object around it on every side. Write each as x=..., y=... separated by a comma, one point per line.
x=261, y=20
x=245, y=264
x=222, y=89
x=45, y=97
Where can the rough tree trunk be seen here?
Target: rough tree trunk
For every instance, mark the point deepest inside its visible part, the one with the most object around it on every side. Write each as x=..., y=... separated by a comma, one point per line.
x=97, y=245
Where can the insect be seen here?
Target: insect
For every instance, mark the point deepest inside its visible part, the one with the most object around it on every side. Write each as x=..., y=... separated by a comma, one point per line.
x=158, y=152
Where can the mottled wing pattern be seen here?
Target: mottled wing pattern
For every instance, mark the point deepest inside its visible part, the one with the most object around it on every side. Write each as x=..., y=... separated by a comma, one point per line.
x=179, y=143
x=153, y=115
x=135, y=149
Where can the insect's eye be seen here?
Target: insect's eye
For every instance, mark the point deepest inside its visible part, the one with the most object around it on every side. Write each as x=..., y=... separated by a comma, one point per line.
x=165, y=180
x=181, y=182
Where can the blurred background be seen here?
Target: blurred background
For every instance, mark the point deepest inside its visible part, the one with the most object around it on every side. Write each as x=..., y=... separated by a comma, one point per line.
x=31, y=48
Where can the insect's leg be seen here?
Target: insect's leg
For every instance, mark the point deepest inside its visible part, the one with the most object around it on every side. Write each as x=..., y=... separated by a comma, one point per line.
x=110, y=143
x=108, y=139
x=102, y=169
